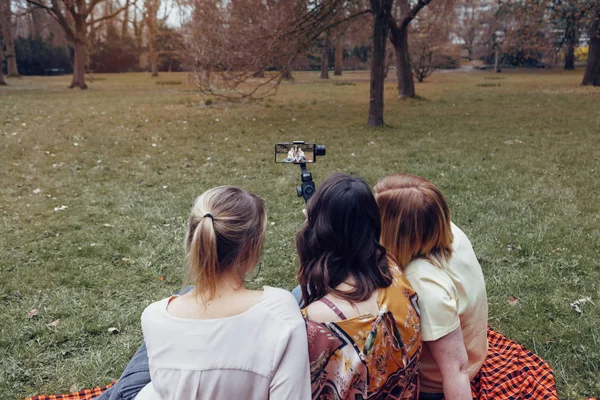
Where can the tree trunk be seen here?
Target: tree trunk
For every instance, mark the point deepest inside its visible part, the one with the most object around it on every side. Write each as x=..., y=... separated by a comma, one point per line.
x=339, y=57
x=382, y=13
x=154, y=63
x=2, y=81
x=125, y=26
x=570, y=55
x=287, y=74
x=325, y=58
x=79, y=64
x=497, y=59
x=9, y=42
x=470, y=52
x=592, y=70
x=406, y=82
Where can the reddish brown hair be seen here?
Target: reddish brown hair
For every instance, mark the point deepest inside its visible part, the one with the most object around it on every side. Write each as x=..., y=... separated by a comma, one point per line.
x=415, y=219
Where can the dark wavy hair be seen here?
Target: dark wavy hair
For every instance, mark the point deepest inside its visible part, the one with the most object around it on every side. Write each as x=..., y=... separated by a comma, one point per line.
x=340, y=240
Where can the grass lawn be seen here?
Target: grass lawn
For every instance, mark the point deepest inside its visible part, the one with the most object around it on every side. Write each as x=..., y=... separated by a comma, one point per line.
x=95, y=188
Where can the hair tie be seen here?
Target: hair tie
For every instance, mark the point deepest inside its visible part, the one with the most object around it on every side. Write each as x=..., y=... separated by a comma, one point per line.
x=209, y=215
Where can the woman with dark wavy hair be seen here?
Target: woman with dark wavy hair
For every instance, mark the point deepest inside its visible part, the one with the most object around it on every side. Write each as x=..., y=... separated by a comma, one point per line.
x=361, y=315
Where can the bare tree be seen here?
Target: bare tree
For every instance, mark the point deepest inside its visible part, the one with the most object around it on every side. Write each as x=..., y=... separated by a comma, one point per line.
x=382, y=15
x=226, y=49
x=77, y=19
x=468, y=27
x=228, y=43
x=2, y=81
x=152, y=21
x=429, y=41
x=492, y=37
x=6, y=28
x=339, y=55
x=325, y=48
x=592, y=71
x=567, y=17
x=404, y=14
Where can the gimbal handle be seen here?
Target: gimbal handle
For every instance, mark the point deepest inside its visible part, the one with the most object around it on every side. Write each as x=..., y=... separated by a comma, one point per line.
x=307, y=188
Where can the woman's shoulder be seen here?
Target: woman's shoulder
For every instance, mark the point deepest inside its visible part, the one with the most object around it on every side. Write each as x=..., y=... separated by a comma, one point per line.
x=155, y=315
x=422, y=266
x=281, y=305
x=157, y=307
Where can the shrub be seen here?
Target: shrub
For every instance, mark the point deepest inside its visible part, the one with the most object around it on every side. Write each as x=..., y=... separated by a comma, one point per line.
x=37, y=57
x=168, y=82
x=114, y=54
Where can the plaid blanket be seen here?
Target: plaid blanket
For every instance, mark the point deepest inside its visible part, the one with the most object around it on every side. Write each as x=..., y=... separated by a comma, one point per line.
x=510, y=372
x=86, y=394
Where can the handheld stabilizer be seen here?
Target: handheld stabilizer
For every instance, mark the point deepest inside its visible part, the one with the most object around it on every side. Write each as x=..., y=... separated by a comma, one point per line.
x=301, y=153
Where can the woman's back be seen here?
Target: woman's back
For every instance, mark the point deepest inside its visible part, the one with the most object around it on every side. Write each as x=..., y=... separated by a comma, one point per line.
x=368, y=356
x=251, y=355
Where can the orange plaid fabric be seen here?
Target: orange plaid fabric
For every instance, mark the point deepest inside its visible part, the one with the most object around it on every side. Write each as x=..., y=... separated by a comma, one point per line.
x=510, y=371
x=86, y=394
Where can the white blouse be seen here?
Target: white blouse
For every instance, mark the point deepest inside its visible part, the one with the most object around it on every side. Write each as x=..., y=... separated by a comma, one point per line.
x=261, y=353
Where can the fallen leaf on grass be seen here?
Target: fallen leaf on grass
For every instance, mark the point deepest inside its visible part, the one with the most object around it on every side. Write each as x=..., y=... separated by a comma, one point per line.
x=512, y=301
x=54, y=324
x=73, y=388
x=60, y=208
x=576, y=305
x=161, y=278
x=33, y=313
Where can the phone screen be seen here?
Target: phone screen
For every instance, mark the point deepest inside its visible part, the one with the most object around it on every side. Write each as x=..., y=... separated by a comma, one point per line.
x=294, y=153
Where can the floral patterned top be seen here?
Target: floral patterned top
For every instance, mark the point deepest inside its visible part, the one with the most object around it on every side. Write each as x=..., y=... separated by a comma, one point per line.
x=369, y=356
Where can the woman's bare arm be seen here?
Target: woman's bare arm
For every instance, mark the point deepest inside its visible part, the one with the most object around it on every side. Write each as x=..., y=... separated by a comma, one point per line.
x=450, y=355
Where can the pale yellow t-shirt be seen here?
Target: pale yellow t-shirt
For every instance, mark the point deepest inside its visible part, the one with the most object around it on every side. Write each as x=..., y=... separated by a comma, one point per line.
x=448, y=298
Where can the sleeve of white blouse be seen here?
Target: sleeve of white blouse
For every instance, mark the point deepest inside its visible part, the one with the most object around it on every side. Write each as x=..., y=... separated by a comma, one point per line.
x=291, y=379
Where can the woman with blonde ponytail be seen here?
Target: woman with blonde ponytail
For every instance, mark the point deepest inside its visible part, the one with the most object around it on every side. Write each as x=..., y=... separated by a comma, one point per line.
x=221, y=340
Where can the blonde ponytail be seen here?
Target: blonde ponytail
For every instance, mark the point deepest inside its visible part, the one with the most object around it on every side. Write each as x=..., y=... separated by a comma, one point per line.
x=225, y=234
x=203, y=258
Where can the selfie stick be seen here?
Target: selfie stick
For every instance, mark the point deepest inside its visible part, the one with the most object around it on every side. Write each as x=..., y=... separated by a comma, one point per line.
x=307, y=187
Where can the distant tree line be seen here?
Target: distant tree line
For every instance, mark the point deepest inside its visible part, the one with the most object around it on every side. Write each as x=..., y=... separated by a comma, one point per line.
x=241, y=48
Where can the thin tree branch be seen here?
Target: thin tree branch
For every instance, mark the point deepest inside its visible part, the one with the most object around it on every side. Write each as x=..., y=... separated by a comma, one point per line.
x=413, y=12
x=120, y=10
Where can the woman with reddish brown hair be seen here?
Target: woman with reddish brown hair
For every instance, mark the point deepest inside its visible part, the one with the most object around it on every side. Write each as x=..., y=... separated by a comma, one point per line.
x=462, y=357
x=440, y=264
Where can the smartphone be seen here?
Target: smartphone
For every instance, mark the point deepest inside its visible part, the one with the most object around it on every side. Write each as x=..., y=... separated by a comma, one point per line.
x=295, y=153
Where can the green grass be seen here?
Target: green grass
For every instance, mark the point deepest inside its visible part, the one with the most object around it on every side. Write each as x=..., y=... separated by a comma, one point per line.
x=519, y=164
